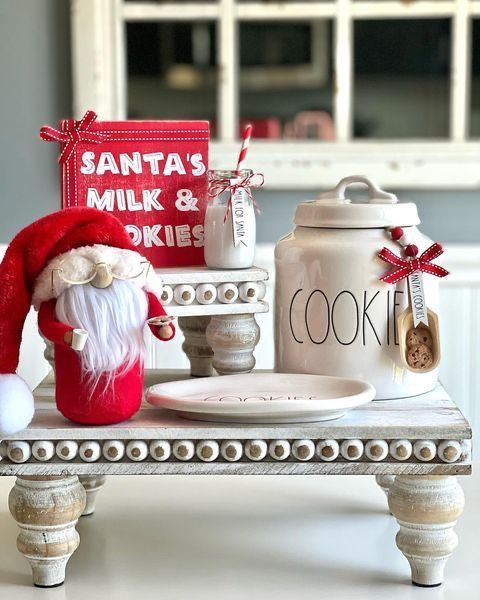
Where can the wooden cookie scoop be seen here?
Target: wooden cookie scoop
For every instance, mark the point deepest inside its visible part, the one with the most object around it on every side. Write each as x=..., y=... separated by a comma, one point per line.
x=419, y=346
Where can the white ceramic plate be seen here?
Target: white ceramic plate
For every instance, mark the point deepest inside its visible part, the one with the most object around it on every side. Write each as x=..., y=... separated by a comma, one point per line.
x=262, y=397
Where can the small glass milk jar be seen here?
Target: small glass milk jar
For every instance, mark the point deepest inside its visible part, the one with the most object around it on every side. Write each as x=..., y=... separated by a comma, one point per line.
x=230, y=224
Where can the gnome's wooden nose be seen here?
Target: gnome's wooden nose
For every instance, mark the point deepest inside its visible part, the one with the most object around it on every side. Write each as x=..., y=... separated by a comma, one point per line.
x=103, y=277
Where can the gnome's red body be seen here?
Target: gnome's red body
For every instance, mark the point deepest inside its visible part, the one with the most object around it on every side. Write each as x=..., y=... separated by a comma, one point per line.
x=114, y=397
x=57, y=262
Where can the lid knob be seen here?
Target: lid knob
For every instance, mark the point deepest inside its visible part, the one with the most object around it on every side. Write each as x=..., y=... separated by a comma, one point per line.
x=375, y=194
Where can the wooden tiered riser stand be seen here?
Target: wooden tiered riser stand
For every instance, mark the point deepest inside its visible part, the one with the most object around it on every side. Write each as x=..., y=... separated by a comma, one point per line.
x=414, y=446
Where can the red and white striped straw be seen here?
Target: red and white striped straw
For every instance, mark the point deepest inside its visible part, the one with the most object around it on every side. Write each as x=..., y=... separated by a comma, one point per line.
x=247, y=134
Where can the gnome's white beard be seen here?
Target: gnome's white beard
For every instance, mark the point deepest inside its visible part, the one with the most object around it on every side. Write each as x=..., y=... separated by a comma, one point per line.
x=114, y=318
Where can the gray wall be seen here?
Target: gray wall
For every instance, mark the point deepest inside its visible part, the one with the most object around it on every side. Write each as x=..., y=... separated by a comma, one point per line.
x=36, y=89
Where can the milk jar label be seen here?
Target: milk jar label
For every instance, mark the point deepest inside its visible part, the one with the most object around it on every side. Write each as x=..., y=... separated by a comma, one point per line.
x=240, y=222
x=347, y=317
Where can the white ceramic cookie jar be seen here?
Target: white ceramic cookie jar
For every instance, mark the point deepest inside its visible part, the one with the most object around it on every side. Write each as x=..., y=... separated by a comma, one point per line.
x=333, y=315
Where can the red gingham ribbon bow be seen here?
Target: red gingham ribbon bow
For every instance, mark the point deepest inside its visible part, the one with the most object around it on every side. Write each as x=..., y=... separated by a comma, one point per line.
x=407, y=267
x=77, y=131
x=218, y=186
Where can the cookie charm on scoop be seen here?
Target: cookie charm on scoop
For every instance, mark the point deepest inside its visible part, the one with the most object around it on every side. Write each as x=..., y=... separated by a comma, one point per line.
x=417, y=326
x=420, y=356
x=419, y=335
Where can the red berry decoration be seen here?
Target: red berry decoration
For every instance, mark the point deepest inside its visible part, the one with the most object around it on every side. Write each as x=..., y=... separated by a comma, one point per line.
x=396, y=233
x=411, y=250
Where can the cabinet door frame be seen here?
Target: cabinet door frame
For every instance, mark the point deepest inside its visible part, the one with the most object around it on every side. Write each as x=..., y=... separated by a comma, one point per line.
x=100, y=83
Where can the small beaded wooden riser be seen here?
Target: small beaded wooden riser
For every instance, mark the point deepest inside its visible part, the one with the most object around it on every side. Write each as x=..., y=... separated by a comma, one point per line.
x=235, y=296
x=233, y=342
x=195, y=346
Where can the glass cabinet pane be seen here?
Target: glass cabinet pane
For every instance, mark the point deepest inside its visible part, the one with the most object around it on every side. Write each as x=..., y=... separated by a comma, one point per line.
x=171, y=70
x=286, y=79
x=401, y=81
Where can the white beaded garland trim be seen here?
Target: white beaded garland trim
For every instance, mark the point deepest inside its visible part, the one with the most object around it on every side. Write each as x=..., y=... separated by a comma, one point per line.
x=328, y=450
x=279, y=449
x=184, y=294
x=183, y=449
x=167, y=295
x=3, y=449
x=207, y=450
x=137, y=450
x=113, y=450
x=401, y=449
x=248, y=292
x=424, y=450
x=303, y=449
x=231, y=450
x=90, y=451
x=227, y=293
x=19, y=452
x=262, y=290
x=67, y=450
x=256, y=449
x=43, y=450
x=351, y=449
x=376, y=450
x=206, y=293
x=449, y=451
x=160, y=450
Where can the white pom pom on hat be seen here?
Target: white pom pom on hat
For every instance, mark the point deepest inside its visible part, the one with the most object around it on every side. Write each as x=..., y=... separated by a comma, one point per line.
x=16, y=404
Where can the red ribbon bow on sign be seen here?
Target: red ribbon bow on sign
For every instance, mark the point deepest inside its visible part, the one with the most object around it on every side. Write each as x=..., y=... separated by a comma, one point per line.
x=218, y=186
x=407, y=267
x=77, y=131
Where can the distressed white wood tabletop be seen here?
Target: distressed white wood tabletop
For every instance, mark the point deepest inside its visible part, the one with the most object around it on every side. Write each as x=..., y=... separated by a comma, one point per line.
x=425, y=434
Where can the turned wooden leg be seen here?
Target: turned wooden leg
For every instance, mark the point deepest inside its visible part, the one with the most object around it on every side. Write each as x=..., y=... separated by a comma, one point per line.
x=385, y=482
x=92, y=484
x=47, y=509
x=233, y=339
x=196, y=346
x=426, y=509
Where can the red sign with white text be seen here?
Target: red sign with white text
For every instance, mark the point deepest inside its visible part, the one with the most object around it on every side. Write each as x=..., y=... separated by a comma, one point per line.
x=152, y=175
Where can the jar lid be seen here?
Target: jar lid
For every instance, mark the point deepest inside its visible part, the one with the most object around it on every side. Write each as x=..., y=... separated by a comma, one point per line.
x=332, y=209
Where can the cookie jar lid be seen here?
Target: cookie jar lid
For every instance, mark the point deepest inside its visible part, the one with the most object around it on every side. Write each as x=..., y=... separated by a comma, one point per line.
x=333, y=209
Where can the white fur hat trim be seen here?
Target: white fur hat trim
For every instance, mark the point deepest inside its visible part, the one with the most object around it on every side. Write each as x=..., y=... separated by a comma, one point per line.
x=78, y=264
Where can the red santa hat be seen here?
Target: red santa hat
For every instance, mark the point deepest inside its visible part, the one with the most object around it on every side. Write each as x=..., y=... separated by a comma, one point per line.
x=70, y=240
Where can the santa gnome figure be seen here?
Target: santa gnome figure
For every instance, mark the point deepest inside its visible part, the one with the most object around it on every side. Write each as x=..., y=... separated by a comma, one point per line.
x=94, y=294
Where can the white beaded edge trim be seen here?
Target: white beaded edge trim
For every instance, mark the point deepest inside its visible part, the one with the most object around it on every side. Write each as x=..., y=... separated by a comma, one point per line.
x=302, y=450
x=173, y=294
